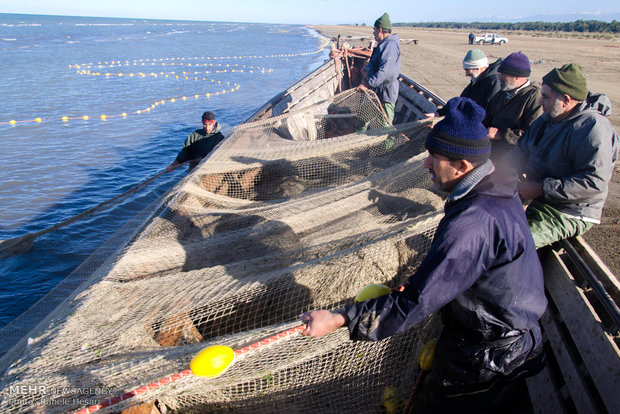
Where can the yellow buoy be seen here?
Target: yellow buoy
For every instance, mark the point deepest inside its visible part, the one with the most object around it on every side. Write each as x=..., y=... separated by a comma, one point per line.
x=391, y=401
x=212, y=361
x=37, y=120
x=428, y=355
x=371, y=292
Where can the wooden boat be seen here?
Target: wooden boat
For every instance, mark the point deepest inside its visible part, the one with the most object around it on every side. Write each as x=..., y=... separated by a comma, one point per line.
x=580, y=327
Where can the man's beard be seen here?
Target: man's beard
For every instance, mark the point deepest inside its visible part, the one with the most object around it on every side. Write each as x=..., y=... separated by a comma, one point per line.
x=509, y=85
x=555, y=111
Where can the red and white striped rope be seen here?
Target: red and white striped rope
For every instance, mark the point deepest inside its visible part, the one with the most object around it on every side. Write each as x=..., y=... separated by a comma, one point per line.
x=187, y=372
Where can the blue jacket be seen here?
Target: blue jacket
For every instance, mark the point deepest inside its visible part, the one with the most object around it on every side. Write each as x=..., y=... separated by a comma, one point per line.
x=383, y=69
x=482, y=272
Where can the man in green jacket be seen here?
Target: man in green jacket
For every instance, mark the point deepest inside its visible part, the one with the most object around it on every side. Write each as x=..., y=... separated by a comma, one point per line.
x=199, y=143
x=511, y=112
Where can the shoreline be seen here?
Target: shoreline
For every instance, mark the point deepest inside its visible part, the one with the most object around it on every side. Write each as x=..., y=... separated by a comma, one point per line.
x=435, y=62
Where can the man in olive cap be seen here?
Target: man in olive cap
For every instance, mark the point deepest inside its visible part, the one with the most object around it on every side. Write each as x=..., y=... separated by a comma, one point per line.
x=511, y=112
x=383, y=68
x=567, y=156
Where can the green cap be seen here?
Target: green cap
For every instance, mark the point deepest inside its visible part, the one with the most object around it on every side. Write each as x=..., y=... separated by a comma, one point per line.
x=384, y=22
x=568, y=79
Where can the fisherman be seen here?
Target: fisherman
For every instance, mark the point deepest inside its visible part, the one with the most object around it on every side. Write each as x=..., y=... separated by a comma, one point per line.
x=199, y=143
x=568, y=157
x=383, y=68
x=484, y=83
x=481, y=271
x=511, y=112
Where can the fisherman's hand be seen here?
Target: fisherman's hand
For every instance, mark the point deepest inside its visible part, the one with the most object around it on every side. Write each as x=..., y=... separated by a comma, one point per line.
x=530, y=190
x=172, y=166
x=431, y=114
x=493, y=133
x=322, y=322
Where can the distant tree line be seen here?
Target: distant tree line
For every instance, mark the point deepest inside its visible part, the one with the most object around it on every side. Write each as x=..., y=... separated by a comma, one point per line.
x=585, y=26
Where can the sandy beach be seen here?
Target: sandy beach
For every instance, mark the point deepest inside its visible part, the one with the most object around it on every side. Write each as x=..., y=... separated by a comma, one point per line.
x=434, y=61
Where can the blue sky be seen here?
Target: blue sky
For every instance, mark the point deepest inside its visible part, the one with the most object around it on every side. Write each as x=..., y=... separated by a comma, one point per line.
x=323, y=11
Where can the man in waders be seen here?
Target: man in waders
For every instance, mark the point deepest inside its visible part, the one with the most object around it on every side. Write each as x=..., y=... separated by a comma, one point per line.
x=481, y=272
x=199, y=143
x=383, y=68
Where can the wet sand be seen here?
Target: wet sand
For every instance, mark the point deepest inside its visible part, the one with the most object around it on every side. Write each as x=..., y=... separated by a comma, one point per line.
x=435, y=62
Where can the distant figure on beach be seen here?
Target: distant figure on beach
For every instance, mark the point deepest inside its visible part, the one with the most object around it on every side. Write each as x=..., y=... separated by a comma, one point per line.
x=567, y=156
x=472, y=36
x=511, y=112
x=484, y=84
x=384, y=66
x=199, y=143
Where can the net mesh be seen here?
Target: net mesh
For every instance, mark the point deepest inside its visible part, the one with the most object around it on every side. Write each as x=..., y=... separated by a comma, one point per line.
x=288, y=214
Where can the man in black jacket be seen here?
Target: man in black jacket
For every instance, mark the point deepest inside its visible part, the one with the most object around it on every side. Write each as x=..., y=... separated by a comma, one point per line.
x=484, y=84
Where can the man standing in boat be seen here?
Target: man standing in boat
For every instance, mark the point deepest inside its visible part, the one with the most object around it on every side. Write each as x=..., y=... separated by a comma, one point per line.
x=199, y=143
x=481, y=272
x=567, y=156
x=383, y=68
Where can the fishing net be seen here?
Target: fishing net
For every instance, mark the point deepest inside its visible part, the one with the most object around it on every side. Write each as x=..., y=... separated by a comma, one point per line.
x=288, y=214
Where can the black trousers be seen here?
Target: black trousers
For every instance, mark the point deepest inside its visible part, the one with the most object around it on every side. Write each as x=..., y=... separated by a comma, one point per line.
x=504, y=394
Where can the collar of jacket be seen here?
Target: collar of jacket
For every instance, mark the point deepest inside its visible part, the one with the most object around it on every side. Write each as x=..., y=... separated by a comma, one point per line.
x=471, y=180
x=513, y=92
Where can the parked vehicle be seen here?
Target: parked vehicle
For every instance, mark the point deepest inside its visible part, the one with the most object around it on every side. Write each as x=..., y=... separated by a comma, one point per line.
x=490, y=38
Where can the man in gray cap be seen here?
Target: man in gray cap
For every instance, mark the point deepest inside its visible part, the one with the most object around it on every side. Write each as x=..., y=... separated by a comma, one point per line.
x=484, y=84
x=567, y=156
x=511, y=112
x=383, y=68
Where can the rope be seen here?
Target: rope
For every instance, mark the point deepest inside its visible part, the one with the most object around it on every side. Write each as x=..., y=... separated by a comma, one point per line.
x=167, y=380
x=22, y=244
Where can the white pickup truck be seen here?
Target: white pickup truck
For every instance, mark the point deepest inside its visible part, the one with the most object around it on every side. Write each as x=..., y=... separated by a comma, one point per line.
x=491, y=38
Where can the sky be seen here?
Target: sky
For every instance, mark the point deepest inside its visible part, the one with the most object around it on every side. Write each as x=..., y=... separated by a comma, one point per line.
x=324, y=11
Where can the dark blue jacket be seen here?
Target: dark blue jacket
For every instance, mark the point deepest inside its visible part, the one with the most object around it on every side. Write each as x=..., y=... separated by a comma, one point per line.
x=383, y=69
x=483, y=273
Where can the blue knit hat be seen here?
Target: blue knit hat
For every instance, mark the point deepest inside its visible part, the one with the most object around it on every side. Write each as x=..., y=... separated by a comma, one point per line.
x=460, y=135
x=516, y=64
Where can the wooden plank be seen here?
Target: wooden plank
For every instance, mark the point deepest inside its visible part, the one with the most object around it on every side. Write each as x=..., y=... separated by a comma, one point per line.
x=570, y=372
x=599, y=352
x=600, y=269
x=543, y=394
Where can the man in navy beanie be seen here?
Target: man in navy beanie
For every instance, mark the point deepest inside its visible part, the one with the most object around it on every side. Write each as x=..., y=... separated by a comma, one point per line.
x=511, y=112
x=481, y=272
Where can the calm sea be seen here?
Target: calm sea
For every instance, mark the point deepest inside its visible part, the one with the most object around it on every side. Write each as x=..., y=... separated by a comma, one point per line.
x=142, y=84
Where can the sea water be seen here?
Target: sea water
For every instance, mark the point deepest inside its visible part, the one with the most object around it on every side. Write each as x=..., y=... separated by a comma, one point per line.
x=90, y=107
